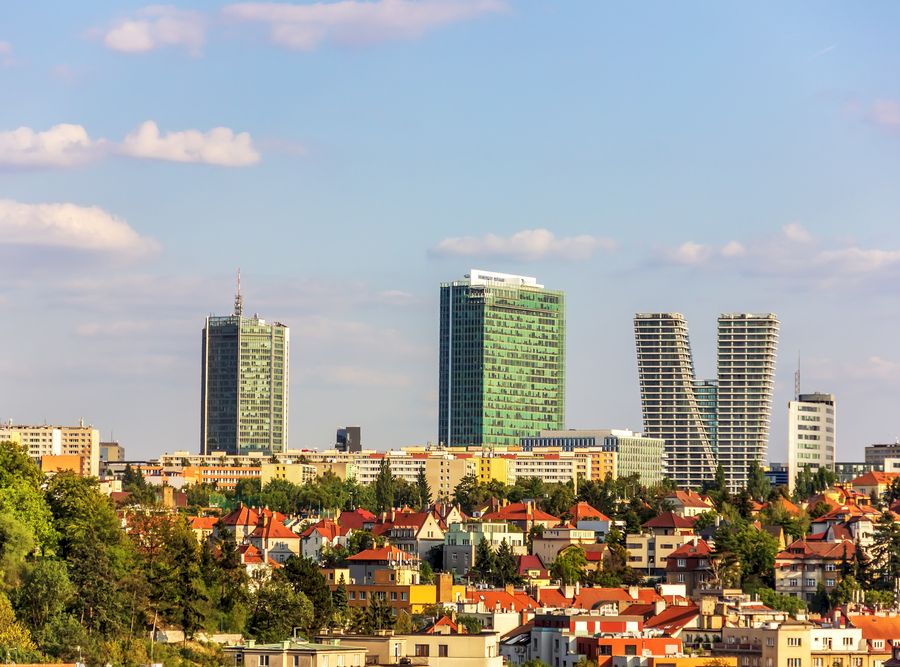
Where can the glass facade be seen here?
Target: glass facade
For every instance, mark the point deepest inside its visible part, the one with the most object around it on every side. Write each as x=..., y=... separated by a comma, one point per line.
x=502, y=360
x=244, y=385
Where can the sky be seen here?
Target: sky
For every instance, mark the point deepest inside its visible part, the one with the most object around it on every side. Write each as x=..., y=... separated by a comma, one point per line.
x=348, y=156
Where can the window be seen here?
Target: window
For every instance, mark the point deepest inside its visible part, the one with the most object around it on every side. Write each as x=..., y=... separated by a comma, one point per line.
x=817, y=662
x=442, y=650
x=263, y=661
x=630, y=649
x=421, y=650
x=770, y=641
x=794, y=662
x=679, y=576
x=362, y=595
x=393, y=595
x=829, y=582
x=810, y=582
x=682, y=562
x=793, y=641
x=296, y=661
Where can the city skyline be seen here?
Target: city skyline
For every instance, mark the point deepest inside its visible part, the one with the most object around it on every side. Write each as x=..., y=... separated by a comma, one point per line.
x=351, y=176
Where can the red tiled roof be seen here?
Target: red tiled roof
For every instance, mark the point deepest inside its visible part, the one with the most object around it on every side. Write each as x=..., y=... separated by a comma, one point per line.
x=327, y=529
x=274, y=530
x=250, y=555
x=519, y=512
x=690, y=499
x=388, y=553
x=877, y=627
x=582, y=511
x=204, y=522
x=444, y=621
x=673, y=619
x=669, y=520
x=639, y=609
x=690, y=549
x=874, y=477
x=801, y=549
x=553, y=597
x=531, y=562
x=356, y=519
x=513, y=602
x=241, y=516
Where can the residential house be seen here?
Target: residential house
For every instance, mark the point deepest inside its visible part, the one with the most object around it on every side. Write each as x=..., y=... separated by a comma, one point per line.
x=275, y=540
x=689, y=503
x=296, y=654
x=874, y=483
x=524, y=516
x=805, y=564
x=325, y=533
x=553, y=540
x=689, y=564
x=660, y=536
x=413, y=532
x=586, y=517
x=462, y=539
x=366, y=563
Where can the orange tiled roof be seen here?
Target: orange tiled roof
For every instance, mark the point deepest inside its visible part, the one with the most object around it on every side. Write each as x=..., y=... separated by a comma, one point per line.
x=327, y=529
x=669, y=520
x=510, y=601
x=519, y=512
x=802, y=549
x=673, y=619
x=274, y=530
x=582, y=511
x=877, y=627
x=387, y=553
x=204, y=522
x=874, y=477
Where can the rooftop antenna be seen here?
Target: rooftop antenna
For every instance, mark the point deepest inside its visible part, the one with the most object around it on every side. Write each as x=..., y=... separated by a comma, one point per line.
x=797, y=380
x=238, y=299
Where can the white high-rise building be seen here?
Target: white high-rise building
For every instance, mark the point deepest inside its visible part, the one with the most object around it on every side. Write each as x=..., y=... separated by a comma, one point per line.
x=745, y=359
x=811, y=434
x=669, y=401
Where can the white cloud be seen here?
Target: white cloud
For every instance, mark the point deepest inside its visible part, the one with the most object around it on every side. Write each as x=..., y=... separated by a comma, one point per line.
x=794, y=231
x=69, y=226
x=733, y=249
x=63, y=145
x=305, y=27
x=6, y=54
x=219, y=146
x=886, y=112
x=795, y=253
x=67, y=145
x=157, y=26
x=527, y=245
x=689, y=253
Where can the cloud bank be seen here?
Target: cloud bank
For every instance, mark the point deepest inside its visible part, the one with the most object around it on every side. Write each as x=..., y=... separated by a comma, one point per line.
x=306, y=27
x=526, y=245
x=794, y=252
x=69, y=226
x=157, y=26
x=68, y=145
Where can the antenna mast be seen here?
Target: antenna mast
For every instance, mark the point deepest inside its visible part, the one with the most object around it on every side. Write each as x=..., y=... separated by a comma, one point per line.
x=797, y=380
x=238, y=299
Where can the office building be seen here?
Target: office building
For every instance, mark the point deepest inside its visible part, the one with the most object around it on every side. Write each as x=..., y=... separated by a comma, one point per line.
x=811, y=434
x=43, y=441
x=110, y=452
x=635, y=453
x=669, y=402
x=706, y=423
x=348, y=439
x=244, y=384
x=746, y=379
x=502, y=360
x=877, y=453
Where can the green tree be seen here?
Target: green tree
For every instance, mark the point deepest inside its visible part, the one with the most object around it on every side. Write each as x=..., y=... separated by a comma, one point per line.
x=403, y=625
x=787, y=603
x=506, y=566
x=885, y=552
x=472, y=624
x=304, y=575
x=359, y=540
x=384, y=487
x=22, y=498
x=13, y=634
x=133, y=483
x=45, y=592
x=846, y=591
x=568, y=568
x=340, y=608
x=469, y=494
x=424, y=489
x=248, y=490
x=758, y=486
x=751, y=549
x=820, y=603
x=426, y=574
x=483, y=567
x=278, y=609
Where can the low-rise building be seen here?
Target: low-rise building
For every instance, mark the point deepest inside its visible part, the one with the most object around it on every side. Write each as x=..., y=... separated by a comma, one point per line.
x=291, y=653
x=690, y=565
x=805, y=565
x=648, y=550
x=461, y=540
x=552, y=541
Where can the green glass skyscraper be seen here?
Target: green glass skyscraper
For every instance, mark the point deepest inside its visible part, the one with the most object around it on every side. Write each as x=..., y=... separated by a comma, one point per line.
x=502, y=360
x=244, y=385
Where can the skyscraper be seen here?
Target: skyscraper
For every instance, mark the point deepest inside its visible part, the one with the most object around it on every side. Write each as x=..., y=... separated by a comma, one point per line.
x=669, y=397
x=811, y=429
x=244, y=384
x=708, y=422
x=502, y=360
x=745, y=359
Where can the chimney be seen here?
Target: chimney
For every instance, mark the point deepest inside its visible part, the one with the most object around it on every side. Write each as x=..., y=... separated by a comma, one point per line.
x=509, y=588
x=633, y=592
x=658, y=607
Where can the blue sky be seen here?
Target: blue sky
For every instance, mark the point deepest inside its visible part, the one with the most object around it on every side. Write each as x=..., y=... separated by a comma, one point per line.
x=698, y=157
